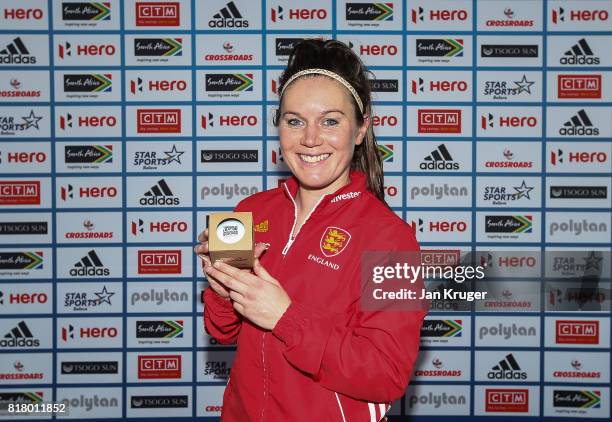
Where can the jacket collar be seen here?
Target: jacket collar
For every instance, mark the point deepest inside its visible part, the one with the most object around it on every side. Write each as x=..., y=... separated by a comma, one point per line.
x=345, y=195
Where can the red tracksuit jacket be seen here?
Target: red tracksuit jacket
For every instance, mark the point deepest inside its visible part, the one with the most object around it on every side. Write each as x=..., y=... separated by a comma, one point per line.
x=326, y=360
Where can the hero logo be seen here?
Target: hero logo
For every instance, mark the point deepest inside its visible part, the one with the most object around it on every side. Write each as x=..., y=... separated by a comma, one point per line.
x=418, y=15
x=159, y=227
x=384, y=121
x=278, y=14
x=66, y=49
x=88, y=332
x=558, y=157
x=159, y=121
x=418, y=85
x=137, y=85
x=19, y=193
x=506, y=400
x=25, y=298
x=559, y=15
x=208, y=120
x=439, y=121
x=579, y=86
x=376, y=50
x=23, y=14
x=158, y=14
x=159, y=367
x=159, y=262
x=66, y=121
x=67, y=192
x=576, y=332
x=440, y=226
x=489, y=121
x=25, y=157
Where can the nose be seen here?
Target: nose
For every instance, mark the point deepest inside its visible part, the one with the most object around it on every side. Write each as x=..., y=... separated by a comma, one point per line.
x=311, y=136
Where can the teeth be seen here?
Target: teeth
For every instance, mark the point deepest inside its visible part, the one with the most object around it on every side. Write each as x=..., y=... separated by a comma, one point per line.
x=314, y=158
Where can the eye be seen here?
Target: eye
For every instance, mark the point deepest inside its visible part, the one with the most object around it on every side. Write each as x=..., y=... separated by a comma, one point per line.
x=330, y=122
x=293, y=122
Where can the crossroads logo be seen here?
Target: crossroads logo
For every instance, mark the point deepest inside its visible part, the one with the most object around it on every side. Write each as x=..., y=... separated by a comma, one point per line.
x=159, y=194
x=507, y=369
x=509, y=21
x=16, y=53
x=508, y=223
x=87, y=83
x=89, y=266
x=83, y=302
x=502, y=90
x=227, y=82
x=20, y=372
x=158, y=120
x=16, y=92
x=88, y=154
x=579, y=86
x=152, y=160
x=10, y=127
x=20, y=336
x=17, y=192
x=581, y=54
x=228, y=17
x=582, y=399
x=439, y=159
x=86, y=11
x=158, y=14
x=21, y=260
x=369, y=11
x=442, y=328
x=89, y=233
x=158, y=47
x=439, y=121
x=439, y=47
x=579, y=125
x=499, y=195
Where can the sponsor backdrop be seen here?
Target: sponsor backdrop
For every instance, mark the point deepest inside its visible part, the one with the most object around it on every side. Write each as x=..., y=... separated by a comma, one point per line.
x=124, y=122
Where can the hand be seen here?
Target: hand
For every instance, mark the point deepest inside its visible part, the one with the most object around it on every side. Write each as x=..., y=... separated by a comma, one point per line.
x=259, y=297
x=202, y=251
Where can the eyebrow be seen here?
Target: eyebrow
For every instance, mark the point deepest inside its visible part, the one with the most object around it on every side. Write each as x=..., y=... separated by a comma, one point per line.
x=324, y=112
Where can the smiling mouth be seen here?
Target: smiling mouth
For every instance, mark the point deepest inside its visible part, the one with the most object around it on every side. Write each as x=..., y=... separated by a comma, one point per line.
x=314, y=158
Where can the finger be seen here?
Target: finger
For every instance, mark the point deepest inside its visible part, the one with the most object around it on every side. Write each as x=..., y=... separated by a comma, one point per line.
x=201, y=248
x=203, y=237
x=237, y=274
x=227, y=280
x=218, y=288
x=239, y=308
x=261, y=272
x=237, y=297
x=260, y=248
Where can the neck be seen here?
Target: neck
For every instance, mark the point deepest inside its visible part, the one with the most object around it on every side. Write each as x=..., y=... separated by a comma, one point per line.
x=307, y=198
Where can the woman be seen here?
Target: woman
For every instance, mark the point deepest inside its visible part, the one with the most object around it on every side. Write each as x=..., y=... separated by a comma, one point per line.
x=306, y=350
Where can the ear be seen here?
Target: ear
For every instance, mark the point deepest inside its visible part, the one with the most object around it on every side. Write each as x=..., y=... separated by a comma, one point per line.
x=361, y=133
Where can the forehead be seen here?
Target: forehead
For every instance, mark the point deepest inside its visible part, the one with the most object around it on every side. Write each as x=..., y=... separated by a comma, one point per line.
x=316, y=90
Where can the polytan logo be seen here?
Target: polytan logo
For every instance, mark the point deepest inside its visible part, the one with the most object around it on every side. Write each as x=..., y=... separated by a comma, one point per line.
x=159, y=366
x=158, y=120
x=158, y=14
x=576, y=332
x=159, y=261
x=17, y=192
x=514, y=400
x=439, y=120
x=579, y=86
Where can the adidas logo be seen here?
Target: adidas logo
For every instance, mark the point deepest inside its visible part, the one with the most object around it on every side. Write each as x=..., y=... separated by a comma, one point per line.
x=439, y=159
x=89, y=265
x=507, y=369
x=579, y=124
x=228, y=17
x=16, y=53
x=159, y=194
x=580, y=53
x=19, y=336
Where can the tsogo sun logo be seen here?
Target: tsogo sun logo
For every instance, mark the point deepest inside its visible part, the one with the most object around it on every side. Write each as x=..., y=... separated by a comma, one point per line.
x=334, y=241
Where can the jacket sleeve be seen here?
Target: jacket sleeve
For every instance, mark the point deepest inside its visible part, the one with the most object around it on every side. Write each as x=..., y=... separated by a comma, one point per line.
x=221, y=321
x=370, y=358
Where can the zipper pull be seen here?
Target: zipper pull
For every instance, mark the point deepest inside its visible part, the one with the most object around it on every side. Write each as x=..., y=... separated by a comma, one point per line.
x=286, y=248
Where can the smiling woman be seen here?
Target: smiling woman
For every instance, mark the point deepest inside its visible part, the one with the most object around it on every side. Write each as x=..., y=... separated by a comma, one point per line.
x=307, y=350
